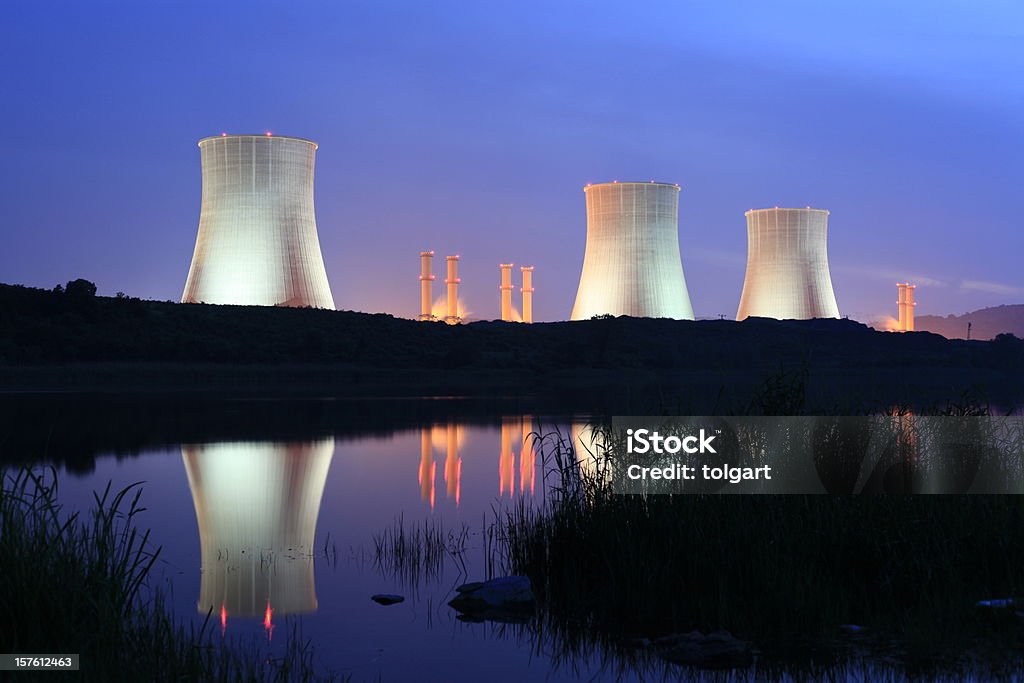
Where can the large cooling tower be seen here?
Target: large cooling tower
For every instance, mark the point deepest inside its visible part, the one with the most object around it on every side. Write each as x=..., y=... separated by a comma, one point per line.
x=632, y=265
x=257, y=506
x=257, y=243
x=787, y=266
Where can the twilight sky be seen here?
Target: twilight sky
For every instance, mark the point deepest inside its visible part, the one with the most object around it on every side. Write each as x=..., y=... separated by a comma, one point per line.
x=471, y=127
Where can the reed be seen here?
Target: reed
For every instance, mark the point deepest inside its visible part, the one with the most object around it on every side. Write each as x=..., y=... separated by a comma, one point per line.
x=84, y=584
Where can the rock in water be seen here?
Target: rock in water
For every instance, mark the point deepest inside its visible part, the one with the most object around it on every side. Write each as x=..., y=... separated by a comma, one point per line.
x=715, y=650
x=387, y=599
x=509, y=598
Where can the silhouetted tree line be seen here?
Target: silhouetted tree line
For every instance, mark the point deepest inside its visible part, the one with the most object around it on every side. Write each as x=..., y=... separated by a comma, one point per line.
x=72, y=324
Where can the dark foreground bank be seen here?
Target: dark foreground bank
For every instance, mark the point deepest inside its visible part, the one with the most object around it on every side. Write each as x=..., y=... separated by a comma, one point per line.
x=60, y=341
x=83, y=585
x=931, y=583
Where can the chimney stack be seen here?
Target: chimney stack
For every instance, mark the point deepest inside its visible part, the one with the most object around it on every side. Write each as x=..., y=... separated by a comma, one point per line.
x=506, y=291
x=453, y=291
x=426, y=286
x=527, y=272
x=905, y=303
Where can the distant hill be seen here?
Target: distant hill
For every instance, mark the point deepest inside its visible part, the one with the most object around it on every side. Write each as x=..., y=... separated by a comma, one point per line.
x=985, y=323
x=71, y=339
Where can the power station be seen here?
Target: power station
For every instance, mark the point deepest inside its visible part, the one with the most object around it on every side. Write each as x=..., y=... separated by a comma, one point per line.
x=787, y=266
x=257, y=243
x=632, y=265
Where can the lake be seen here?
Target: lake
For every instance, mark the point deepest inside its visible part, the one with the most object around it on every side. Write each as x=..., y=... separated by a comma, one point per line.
x=268, y=516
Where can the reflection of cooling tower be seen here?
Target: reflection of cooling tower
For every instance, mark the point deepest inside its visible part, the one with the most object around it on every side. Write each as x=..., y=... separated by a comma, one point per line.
x=257, y=243
x=589, y=448
x=787, y=266
x=631, y=265
x=257, y=506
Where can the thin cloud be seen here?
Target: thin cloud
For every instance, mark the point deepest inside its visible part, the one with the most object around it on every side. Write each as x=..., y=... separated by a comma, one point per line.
x=894, y=276
x=991, y=288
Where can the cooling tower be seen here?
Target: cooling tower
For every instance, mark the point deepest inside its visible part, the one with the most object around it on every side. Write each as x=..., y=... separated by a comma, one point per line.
x=257, y=506
x=257, y=243
x=787, y=266
x=631, y=265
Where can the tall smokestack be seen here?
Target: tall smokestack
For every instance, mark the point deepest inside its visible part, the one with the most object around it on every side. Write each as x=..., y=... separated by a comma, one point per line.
x=426, y=285
x=453, y=291
x=905, y=304
x=527, y=272
x=506, y=291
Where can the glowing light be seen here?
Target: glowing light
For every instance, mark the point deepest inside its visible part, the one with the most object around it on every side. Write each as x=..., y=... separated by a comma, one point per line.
x=440, y=308
x=223, y=618
x=268, y=134
x=889, y=324
x=427, y=470
x=268, y=622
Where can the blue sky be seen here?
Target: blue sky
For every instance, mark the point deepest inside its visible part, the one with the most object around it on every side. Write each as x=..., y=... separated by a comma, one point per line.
x=471, y=128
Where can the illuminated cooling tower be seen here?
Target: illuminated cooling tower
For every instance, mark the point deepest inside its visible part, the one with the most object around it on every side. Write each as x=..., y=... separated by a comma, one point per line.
x=787, y=266
x=632, y=265
x=257, y=243
x=257, y=506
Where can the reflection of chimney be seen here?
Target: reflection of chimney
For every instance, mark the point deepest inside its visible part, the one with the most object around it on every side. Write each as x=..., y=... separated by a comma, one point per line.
x=506, y=291
x=527, y=457
x=527, y=272
x=905, y=303
x=507, y=458
x=453, y=291
x=257, y=506
x=427, y=467
x=453, y=464
x=426, y=285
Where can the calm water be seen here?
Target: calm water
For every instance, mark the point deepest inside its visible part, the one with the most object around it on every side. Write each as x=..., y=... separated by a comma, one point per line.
x=267, y=517
x=271, y=534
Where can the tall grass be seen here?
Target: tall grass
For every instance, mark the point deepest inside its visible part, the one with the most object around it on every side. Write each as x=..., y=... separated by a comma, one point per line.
x=73, y=583
x=412, y=553
x=769, y=568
